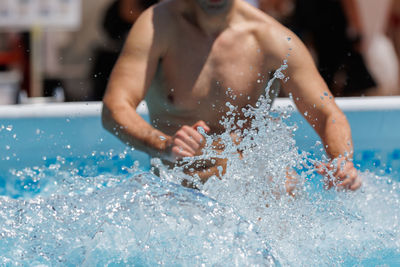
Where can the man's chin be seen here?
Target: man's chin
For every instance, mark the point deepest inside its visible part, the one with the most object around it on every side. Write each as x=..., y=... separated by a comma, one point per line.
x=214, y=7
x=215, y=11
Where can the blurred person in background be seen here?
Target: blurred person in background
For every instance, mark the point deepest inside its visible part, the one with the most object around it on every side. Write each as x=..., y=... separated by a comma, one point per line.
x=394, y=30
x=352, y=50
x=118, y=19
x=378, y=50
x=332, y=29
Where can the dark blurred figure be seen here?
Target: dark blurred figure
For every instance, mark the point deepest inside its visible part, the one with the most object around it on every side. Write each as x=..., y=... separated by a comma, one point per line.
x=14, y=54
x=332, y=29
x=394, y=30
x=118, y=19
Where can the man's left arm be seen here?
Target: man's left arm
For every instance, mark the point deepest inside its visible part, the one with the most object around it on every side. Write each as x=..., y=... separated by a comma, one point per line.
x=316, y=103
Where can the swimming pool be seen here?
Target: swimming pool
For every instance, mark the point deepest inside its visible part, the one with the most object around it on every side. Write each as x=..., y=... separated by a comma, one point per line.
x=72, y=194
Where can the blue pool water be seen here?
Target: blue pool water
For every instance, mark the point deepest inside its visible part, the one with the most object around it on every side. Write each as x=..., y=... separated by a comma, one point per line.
x=72, y=194
x=376, y=137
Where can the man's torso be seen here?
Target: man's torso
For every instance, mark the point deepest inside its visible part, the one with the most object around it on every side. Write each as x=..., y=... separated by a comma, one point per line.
x=199, y=74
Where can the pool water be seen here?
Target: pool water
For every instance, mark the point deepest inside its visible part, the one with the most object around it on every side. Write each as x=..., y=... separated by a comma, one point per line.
x=376, y=138
x=72, y=194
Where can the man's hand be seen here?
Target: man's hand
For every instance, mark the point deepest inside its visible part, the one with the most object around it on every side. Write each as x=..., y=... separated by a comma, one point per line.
x=187, y=141
x=343, y=174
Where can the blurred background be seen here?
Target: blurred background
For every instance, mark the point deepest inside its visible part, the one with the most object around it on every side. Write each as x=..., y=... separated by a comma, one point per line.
x=64, y=50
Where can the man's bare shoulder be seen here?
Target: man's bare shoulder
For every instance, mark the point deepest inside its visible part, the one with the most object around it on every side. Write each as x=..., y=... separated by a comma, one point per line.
x=274, y=38
x=259, y=20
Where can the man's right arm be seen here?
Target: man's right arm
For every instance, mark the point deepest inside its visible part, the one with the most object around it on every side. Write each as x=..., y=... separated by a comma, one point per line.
x=131, y=76
x=128, y=85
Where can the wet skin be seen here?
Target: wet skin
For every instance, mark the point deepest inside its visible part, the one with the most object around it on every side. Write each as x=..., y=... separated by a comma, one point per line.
x=184, y=58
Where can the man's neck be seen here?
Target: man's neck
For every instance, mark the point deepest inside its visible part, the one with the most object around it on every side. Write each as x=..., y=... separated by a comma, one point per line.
x=211, y=24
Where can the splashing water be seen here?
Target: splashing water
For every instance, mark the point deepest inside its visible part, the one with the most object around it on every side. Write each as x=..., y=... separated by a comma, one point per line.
x=315, y=226
x=94, y=217
x=141, y=220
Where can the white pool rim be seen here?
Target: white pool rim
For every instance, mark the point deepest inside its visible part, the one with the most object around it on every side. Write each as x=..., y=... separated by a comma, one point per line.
x=84, y=109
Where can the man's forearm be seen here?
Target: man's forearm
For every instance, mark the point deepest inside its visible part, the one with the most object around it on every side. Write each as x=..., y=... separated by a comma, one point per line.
x=336, y=135
x=134, y=131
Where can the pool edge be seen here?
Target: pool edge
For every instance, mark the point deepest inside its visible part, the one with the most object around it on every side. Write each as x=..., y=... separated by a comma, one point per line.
x=83, y=109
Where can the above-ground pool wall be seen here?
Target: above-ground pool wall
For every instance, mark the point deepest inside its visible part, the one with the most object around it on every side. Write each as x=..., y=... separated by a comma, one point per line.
x=37, y=135
x=41, y=135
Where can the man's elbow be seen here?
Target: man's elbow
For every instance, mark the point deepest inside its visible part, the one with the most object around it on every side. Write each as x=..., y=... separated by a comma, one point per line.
x=338, y=118
x=106, y=117
x=112, y=114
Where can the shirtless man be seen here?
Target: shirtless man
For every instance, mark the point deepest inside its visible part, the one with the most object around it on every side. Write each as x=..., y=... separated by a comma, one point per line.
x=182, y=55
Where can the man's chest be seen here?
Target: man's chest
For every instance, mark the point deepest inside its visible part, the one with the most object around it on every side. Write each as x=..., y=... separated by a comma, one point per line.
x=214, y=73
